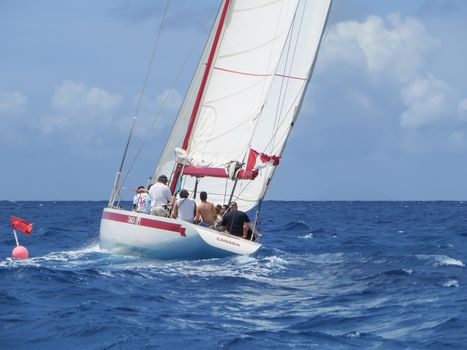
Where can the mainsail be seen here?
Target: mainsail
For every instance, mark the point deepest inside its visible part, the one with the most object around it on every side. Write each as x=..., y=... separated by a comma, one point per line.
x=245, y=95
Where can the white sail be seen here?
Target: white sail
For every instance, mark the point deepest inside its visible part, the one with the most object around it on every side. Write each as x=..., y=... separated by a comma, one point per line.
x=177, y=134
x=260, y=71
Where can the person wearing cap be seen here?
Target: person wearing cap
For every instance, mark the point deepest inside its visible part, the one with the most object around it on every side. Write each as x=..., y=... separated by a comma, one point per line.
x=237, y=222
x=160, y=196
x=142, y=200
x=184, y=208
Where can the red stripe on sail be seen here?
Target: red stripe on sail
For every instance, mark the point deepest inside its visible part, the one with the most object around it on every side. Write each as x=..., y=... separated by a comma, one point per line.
x=136, y=220
x=21, y=225
x=258, y=74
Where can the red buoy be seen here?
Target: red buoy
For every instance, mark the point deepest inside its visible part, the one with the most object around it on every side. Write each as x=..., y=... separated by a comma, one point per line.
x=20, y=252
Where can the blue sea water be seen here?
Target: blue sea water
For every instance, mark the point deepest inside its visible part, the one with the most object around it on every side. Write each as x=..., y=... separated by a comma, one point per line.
x=331, y=275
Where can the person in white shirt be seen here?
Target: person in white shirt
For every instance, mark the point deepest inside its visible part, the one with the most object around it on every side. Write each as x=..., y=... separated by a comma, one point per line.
x=160, y=196
x=142, y=200
x=184, y=208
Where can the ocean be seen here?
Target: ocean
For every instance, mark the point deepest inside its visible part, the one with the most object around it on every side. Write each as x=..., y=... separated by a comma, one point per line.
x=331, y=275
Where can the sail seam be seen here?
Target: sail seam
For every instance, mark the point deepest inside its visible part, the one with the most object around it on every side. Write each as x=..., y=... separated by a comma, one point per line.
x=258, y=74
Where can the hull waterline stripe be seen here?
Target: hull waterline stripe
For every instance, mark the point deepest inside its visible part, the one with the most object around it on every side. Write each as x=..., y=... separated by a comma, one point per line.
x=136, y=220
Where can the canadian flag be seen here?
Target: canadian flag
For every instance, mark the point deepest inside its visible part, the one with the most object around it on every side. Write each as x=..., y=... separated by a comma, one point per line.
x=257, y=161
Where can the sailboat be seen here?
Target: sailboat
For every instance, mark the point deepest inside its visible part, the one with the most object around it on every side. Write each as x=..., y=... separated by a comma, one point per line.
x=232, y=127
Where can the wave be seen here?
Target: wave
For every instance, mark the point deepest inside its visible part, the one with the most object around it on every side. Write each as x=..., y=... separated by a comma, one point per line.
x=446, y=261
x=295, y=226
x=451, y=283
x=441, y=260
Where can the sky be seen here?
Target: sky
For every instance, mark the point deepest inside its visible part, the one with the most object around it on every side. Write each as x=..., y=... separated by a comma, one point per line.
x=384, y=117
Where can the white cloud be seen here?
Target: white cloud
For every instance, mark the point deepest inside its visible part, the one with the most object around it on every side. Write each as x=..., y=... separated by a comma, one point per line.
x=427, y=102
x=12, y=103
x=396, y=45
x=395, y=50
x=161, y=108
x=170, y=99
x=72, y=96
x=462, y=109
x=75, y=104
x=359, y=99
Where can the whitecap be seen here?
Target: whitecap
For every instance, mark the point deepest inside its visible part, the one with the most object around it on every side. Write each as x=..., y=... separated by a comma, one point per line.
x=400, y=231
x=441, y=260
x=307, y=236
x=451, y=283
x=446, y=261
x=276, y=260
x=408, y=271
x=105, y=273
x=353, y=334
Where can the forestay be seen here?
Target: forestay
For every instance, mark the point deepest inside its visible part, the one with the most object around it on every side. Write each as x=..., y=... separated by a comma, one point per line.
x=262, y=64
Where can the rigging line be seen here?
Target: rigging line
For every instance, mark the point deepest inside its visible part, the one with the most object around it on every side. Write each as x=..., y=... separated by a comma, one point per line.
x=153, y=54
x=272, y=139
x=284, y=119
x=137, y=178
x=258, y=116
x=251, y=138
x=225, y=190
x=116, y=187
x=304, y=86
x=278, y=113
x=293, y=59
x=158, y=114
x=270, y=84
x=285, y=68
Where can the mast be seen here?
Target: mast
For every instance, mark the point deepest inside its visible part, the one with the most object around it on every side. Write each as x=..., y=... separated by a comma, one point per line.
x=199, y=96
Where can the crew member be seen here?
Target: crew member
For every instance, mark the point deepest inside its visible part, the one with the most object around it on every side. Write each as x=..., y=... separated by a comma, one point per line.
x=160, y=196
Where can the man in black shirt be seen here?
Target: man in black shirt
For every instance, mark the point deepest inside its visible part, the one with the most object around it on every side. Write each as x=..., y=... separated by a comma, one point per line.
x=237, y=223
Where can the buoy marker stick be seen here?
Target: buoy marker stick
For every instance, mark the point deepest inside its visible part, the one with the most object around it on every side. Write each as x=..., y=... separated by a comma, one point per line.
x=16, y=237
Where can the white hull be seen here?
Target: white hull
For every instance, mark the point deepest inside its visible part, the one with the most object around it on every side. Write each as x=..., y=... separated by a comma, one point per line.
x=127, y=232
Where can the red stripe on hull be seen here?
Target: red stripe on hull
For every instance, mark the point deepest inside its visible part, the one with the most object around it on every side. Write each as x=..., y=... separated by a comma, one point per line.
x=136, y=220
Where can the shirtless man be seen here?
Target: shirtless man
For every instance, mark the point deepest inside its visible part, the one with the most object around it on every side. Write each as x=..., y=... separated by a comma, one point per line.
x=206, y=210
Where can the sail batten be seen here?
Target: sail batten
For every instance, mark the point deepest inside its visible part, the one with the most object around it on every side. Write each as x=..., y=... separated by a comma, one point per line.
x=251, y=91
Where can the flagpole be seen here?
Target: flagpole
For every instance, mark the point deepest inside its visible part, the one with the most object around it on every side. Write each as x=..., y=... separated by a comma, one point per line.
x=16, y=238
